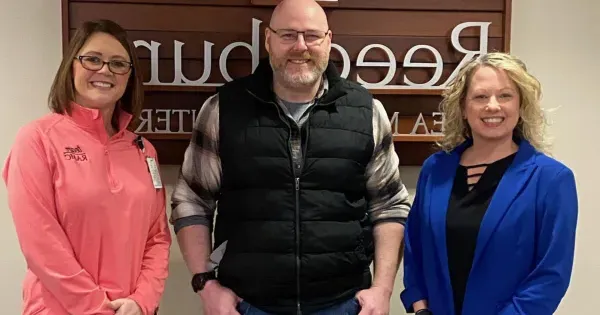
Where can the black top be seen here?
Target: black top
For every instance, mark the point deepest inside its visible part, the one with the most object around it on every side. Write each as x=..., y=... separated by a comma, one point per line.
x=467, y=206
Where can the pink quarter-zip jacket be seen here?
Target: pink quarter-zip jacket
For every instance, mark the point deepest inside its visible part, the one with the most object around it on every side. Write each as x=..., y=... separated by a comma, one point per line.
x=90, y=223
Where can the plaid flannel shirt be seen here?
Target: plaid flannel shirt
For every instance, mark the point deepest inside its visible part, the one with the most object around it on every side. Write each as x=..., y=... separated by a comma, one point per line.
x=195, y=196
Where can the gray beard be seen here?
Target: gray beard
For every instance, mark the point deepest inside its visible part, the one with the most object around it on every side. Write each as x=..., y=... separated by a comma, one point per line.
x=297, y=80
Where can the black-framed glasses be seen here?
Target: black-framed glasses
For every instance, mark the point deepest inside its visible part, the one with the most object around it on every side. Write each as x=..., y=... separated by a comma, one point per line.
x=94, y=63
x=311, y=37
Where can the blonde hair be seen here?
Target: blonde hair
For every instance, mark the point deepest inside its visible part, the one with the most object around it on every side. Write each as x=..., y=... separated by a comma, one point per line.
x=532, y=121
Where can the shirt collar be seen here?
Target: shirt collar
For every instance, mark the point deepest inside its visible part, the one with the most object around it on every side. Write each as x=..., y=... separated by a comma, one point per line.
x=91, y=119
x=324, y=87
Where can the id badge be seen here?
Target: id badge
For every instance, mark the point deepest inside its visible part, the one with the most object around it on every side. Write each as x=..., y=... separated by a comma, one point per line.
x=156, y=181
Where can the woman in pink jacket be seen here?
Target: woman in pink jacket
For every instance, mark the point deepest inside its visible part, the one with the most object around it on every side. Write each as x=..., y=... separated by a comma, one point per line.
x=85, y=192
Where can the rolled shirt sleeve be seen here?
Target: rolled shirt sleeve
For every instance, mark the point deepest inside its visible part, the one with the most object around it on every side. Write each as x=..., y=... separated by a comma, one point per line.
x=195, y=193
x=389, y=198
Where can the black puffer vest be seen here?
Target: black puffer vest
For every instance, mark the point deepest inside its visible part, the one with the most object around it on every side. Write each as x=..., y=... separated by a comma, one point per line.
x=298, y=236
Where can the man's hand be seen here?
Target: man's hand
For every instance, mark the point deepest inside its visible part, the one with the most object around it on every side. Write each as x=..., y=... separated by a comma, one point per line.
x=218, y=300
x=374, y=301
x=125, y=307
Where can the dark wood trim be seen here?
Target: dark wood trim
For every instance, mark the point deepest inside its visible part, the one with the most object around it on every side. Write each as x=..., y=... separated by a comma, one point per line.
x=417, y=138
x=187, y=136
x=229, y=3
x=166, y=136
x=65, y=25
x=171, y=152
x=507, y=24
x=199, y=18
x=427, y=5
x=405, y=91
x=275, y=2
x=179, y=88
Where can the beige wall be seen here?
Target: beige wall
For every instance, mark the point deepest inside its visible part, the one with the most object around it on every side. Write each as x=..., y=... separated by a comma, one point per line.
x=559, y=46
x=27, y=68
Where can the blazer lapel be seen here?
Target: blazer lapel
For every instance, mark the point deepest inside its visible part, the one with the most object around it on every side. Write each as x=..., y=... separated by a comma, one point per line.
x=508, y=189
x=442, y=181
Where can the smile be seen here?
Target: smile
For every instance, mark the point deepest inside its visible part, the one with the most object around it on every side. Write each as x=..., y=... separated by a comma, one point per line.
x=101, y=84
x=493, y=121
x=299, y=61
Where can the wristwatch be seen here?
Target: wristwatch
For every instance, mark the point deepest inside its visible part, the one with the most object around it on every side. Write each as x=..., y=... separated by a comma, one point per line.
x=199, y=280
x=424, y=312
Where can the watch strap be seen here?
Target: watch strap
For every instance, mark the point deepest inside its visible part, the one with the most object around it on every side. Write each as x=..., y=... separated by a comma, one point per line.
x=199, y=280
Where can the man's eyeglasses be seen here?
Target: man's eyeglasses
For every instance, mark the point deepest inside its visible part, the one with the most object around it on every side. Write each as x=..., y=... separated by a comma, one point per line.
x=94, y=63
x=311, y=37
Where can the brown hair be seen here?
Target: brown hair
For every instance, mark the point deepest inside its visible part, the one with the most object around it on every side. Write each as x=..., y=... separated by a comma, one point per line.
x=62, y=92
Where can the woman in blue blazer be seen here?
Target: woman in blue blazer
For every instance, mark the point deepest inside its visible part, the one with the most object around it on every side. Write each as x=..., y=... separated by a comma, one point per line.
x=492, y=228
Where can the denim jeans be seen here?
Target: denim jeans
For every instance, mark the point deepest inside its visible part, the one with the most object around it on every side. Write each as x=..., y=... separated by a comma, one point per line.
x=350, y=307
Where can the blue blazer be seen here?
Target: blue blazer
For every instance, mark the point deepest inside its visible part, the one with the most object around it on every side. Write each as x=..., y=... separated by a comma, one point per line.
x=525, y=247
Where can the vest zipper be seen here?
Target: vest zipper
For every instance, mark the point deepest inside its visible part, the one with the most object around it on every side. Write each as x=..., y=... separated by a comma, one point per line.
x=298, y=308
x=297, y=196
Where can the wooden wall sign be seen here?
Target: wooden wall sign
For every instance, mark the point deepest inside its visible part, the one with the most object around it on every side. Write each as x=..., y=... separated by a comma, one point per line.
x=403, y=51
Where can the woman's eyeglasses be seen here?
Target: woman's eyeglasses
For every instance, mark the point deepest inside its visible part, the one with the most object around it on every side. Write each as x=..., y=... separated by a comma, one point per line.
x=94, y=63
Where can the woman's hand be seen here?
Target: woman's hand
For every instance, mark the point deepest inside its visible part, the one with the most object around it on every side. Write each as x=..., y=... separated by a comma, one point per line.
x=125, y=307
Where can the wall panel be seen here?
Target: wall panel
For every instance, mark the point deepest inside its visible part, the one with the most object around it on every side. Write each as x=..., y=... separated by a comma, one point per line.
x=398, y=26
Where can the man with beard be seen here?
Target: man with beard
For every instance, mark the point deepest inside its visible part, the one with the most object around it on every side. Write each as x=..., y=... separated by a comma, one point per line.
x=302, y=165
